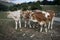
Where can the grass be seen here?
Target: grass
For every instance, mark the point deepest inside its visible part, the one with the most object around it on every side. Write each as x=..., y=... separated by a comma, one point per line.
x=3, y=15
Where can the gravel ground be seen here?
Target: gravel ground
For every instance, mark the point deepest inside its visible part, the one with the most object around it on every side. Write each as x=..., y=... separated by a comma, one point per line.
x=7, y=32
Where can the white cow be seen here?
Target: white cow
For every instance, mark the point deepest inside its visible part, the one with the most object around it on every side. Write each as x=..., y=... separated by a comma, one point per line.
x=15, y=15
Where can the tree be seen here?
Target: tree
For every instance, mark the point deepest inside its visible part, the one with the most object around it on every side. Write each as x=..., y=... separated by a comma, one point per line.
x=3, y=7
x=57, y=2
x=36, y=5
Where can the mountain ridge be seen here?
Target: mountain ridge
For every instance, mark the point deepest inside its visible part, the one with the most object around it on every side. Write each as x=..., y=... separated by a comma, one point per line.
x=6, y=3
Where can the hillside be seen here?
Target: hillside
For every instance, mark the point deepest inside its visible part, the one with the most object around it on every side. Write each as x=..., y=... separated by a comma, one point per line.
x=6, y=3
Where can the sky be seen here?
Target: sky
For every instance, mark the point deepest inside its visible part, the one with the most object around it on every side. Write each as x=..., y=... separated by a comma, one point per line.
x=21, y=1
x=18, y=1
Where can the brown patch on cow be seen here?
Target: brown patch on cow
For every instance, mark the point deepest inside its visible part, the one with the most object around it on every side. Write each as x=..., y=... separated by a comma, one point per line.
x=39, y=16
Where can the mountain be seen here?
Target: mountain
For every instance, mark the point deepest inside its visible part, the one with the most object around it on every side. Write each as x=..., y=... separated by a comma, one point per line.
x=6, y=3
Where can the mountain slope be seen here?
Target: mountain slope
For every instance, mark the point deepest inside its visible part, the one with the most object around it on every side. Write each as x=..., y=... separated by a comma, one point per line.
x=6, y=3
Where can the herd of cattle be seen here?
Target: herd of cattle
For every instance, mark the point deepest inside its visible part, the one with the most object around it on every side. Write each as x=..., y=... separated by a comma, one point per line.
x=43, y=18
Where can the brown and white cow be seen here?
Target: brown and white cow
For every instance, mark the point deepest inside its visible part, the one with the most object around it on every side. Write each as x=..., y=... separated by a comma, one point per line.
x=43, y=18
x=26, y=16
x=40, y=18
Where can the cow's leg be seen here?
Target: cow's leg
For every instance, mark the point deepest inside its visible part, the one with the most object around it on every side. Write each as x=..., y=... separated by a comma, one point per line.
x=41, y=24
x=20, y=23
x=33, y=24
x=29, y=24
x=49, y=24
x=45, y=25
x=25, y=23
x=41, y=28
x=16, y=23
x=52, y=22
x=22, y=18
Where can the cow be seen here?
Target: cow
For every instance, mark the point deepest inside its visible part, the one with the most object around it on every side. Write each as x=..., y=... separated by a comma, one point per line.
x=25, y=16
x=15, y=15
x=41, y=18
x=51, y=18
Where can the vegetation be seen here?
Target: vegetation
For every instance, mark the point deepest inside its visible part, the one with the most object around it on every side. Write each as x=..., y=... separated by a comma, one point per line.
x=29, y=6
x=23, y=6
x=3, y=7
